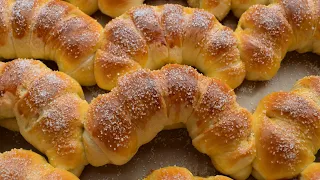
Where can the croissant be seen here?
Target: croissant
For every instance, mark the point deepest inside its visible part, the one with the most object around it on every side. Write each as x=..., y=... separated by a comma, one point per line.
x=23, y=164
x=49, y=109
x=312, y=172
x=178, y=173
x=53, y=30
x=145, y=102
x=266, y=33
x=152, y=36
x=286, y=127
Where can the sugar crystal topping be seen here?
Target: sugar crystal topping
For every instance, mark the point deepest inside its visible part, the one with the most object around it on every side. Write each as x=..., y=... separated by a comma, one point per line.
x=111, y=123
x=140, y=96
x=173, y=20
x=201, y=19
x=182, y=84
x=61, y=122
x=213, y=101
x=45, y=89
x=126, y=37
x=22, y=10
x=13, y=166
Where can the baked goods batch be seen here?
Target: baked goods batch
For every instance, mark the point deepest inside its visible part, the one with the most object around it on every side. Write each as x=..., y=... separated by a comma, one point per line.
x=48, y=108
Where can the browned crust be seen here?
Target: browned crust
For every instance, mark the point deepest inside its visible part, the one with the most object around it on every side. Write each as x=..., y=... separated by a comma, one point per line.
x=147, y=23
x=180, y=85
x=173, y=22
x=140, y=96
x=110, y=125
x=16, y=73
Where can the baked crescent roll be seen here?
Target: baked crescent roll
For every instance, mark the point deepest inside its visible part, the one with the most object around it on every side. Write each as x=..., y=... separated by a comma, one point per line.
x=146, y=102
x=287, y=129
x=172, y=173
x=266, y=33
x=49, y=109
x=52, y=30
x=27, y=165
x=152, y=36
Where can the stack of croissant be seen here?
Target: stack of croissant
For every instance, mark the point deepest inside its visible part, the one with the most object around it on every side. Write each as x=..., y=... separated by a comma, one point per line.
x=278, y=141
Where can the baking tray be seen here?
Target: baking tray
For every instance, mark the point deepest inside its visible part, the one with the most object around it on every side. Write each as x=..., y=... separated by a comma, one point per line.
x=174, y=147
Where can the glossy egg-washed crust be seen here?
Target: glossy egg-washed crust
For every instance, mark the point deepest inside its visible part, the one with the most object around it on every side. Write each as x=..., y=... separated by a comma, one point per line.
x=53, y=30
x=152, y=36
x=22, y=164
x=266, y=33
x=287, y=129
x=178, y=173
x=146, y=102
x=49, y=111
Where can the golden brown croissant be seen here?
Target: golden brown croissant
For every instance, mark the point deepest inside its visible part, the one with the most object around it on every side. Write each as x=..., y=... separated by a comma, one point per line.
x=49, y=110
x=266, y=33
x=152, y=36
x=287, y=127
x=145, y=102
x=178, y=173
x=53, y=30
x=19, y=164
x=312, y=172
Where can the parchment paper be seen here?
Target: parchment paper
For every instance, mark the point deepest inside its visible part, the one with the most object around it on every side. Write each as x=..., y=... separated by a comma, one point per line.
x=174, y=147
